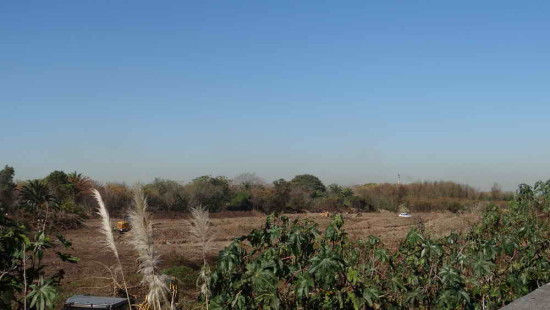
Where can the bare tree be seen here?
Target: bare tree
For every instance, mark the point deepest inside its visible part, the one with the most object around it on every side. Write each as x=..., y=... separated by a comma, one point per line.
x=248, y=180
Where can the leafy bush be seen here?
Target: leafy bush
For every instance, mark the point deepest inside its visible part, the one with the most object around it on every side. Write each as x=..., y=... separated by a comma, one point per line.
x=241, y=202
x=166, y=195
x=438, y=204
x=185, y=276
x=24, y=281
x=117, y=196
x=289, y=265
x=358, y=203
x=213, y=193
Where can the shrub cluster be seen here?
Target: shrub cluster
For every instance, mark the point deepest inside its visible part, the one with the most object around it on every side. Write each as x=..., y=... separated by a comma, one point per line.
x=429, y=196
x=25, y=281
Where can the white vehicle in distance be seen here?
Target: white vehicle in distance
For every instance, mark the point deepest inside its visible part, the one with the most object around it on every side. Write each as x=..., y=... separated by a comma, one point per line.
x=404, y=214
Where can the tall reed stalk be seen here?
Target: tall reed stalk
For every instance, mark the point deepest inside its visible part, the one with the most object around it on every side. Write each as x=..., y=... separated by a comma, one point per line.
x=109, y=241
x=202, y=231
x=141, y=238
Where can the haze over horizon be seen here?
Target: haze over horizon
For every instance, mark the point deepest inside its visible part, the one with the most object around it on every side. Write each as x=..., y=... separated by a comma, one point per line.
x=352, y=92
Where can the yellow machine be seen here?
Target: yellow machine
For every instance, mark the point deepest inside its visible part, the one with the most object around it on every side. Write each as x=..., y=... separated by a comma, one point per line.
x=122, y=226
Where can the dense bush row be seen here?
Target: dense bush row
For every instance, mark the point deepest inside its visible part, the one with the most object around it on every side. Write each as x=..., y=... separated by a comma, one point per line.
x=429, y=196
x=293, y=265
x=304, y=193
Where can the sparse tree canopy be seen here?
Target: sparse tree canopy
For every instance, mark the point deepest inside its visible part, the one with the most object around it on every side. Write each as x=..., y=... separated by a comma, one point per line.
x=248, y=180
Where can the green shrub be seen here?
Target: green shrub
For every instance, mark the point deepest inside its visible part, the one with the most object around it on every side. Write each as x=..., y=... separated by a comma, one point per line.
x=25, y=279
x=359, y=203
x=241, y=202
x=185, y=276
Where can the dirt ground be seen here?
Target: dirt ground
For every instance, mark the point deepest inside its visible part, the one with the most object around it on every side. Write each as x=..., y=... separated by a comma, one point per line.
x=91, y=275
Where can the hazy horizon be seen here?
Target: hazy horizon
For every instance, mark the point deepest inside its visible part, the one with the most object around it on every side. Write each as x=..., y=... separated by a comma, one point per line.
x=188, y=178
x=351, y=92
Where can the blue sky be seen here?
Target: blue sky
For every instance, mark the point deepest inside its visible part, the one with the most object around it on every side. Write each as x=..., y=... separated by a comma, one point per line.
x=351, y=91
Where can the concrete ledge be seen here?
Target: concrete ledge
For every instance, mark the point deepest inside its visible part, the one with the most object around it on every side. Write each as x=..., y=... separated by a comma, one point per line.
x=538, y=299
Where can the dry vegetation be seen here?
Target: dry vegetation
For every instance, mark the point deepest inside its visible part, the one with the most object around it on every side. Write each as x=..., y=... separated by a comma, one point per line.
x=177, y=247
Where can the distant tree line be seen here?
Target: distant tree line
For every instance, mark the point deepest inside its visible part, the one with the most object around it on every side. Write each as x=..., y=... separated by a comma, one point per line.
x=64, y=193
x=429, y=196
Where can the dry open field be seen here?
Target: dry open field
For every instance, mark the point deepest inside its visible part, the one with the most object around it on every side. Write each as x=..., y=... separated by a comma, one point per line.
x=90, y=275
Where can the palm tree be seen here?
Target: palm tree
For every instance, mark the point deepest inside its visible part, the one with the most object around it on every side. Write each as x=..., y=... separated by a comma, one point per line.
x=36, y=197
x=81, y=184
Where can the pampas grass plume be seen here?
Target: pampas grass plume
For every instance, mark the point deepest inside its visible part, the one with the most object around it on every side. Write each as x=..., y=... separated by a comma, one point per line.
x=141, y=238
x=105, y=227
x=202, y=231
x=107, y=232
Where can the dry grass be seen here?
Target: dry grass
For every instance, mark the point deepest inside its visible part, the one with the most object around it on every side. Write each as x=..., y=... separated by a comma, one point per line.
x=109, y=241
x=202, y=231
x=141, y=238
